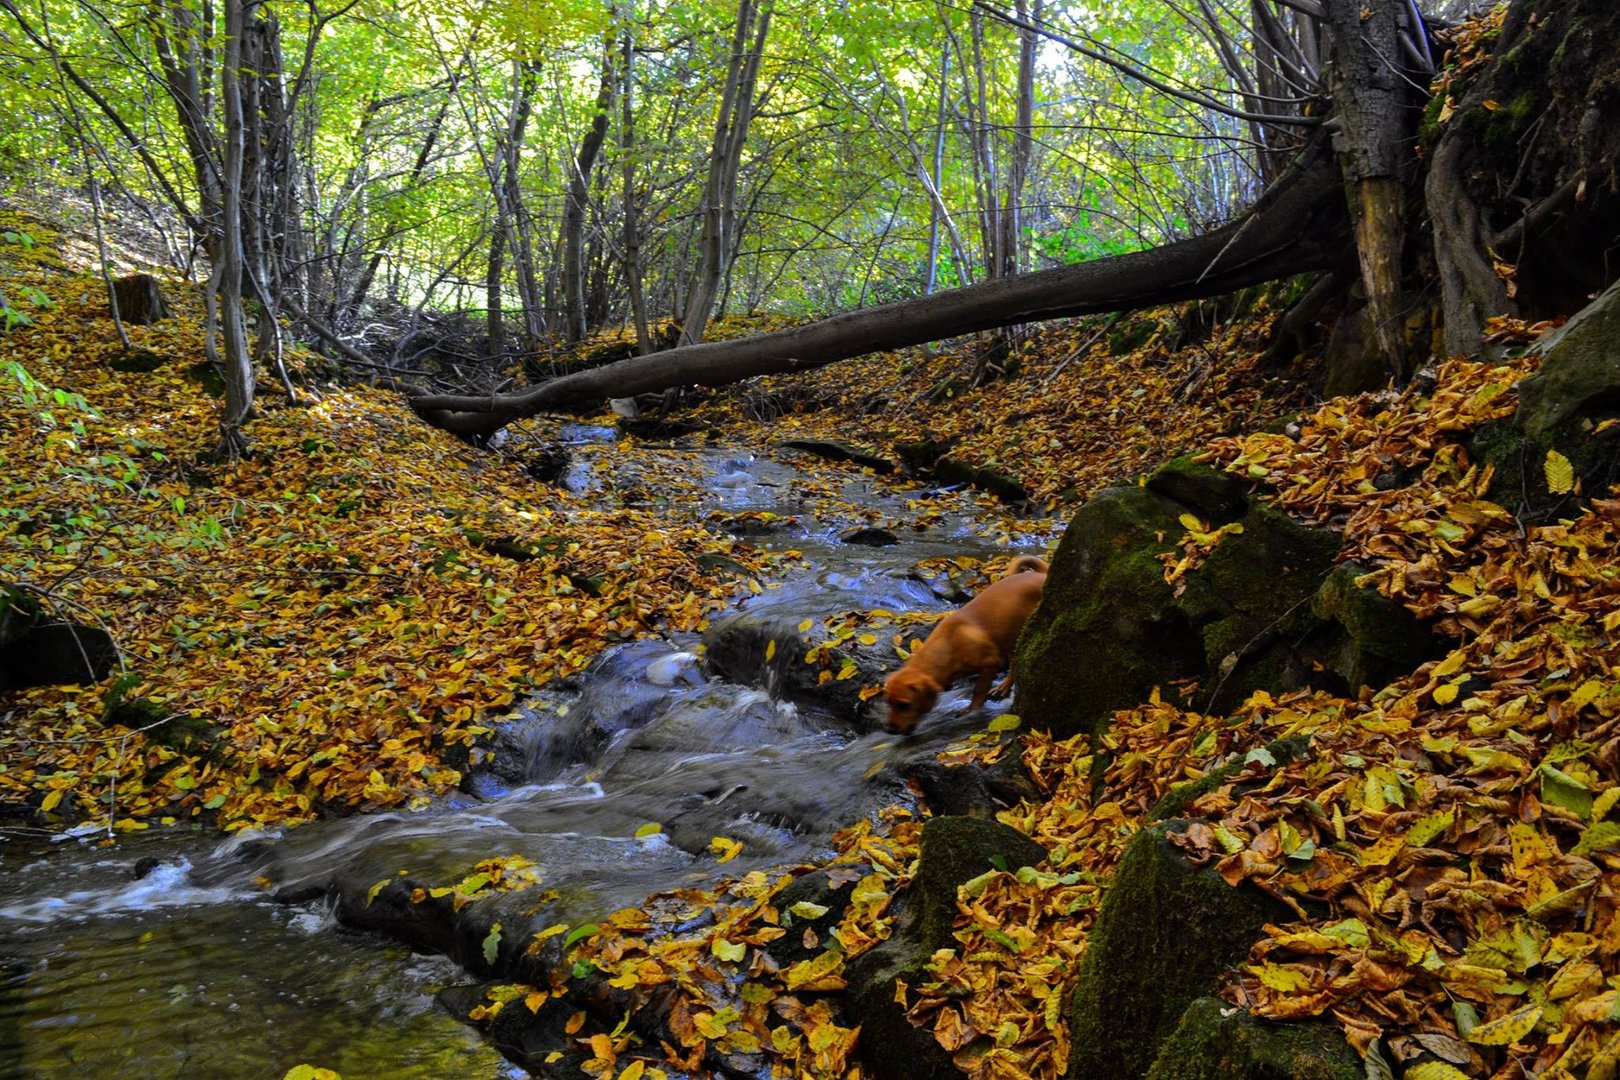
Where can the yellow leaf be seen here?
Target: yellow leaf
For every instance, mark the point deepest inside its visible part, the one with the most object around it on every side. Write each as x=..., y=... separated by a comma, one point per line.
x=1434, y=1070
x=1559, y=472
x=1445, y=695
x=634, y=1071
x=51, y=800
x=1505, y=1030
x=652, y=828
x=1281, y=977
x=770, y=650
x=734, y=951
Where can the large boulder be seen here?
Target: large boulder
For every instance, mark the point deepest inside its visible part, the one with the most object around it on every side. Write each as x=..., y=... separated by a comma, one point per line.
x=1578, y=371
x=1267, y=609
x=1166, y=933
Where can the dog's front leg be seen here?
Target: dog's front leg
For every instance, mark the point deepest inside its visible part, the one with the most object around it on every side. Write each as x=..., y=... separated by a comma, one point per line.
x=981, y=690
x=1004, y=687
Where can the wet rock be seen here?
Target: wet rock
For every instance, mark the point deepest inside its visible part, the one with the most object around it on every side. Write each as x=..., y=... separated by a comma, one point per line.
x=1217, y=1040
x=838, y=451
x=526, y=1038
x=548, y=462
x=807, y=932
x=1165, y=934
x=954, y=850
x=768, y=651
x=972, y=790
x=1001, y=485
x=1267, y=609
x=869, y=537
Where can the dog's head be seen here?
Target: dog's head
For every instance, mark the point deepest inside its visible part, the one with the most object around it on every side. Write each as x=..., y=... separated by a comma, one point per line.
x=910, y=694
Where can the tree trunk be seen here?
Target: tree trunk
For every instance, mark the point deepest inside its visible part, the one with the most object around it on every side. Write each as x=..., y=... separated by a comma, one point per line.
x=736, y=114
x=578, y=199
x=139, y=299
x=632, y=201
x=1373, y=138
x=1296, y=227
x=238, y=361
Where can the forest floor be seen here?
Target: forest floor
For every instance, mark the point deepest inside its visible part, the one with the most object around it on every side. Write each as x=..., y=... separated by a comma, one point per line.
x=323, y=628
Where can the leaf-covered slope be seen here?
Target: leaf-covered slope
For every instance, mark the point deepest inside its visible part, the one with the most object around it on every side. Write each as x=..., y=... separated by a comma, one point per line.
x=316, y=627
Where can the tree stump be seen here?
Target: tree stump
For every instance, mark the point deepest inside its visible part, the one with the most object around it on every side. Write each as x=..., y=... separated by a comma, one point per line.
x=139, y=300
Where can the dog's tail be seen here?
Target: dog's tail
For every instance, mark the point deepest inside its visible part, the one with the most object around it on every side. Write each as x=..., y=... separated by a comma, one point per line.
x=1023, y=563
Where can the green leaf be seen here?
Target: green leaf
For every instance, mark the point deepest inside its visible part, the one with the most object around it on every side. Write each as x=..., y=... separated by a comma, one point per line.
x=1600, y=836
x=1561, y=789
x=492, y=944
x=578, y=933
x=734, y=951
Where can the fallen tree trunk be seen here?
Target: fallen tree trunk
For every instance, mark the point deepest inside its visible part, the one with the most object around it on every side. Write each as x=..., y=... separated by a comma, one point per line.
x=1299, y=225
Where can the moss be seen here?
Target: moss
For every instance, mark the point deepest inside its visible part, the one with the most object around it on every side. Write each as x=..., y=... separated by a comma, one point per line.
x=1176, y=801
x=1209, y=492
x=1165, y=934
x=1219, y=1041
x=1105, y=633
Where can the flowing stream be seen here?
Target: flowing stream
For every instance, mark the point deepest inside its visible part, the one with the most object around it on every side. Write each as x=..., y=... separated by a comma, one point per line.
x=165, y=955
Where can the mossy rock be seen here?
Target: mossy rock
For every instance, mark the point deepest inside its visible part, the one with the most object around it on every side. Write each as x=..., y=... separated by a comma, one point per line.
x=954, y=850
x=1578, y=374
x=1267, y=610
x=1250, y=604
x=955, y=471
x=832, y=450
x=1214, y=495
x=1216, y=1040
x=208, y=377
x=1278, y=752
x=137, y=360
x=1106, y=632
x=739, y=648
x=1166, y=933
x=1381, y=639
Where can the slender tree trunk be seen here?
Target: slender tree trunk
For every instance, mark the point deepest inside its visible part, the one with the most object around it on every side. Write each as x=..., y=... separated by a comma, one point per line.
x=632, y=200
x=737, y=106
x=936, y=203
x=238, y=361
x=577, y=202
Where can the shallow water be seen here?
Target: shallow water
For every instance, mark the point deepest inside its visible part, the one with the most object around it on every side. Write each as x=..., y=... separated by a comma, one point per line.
x=102, y=975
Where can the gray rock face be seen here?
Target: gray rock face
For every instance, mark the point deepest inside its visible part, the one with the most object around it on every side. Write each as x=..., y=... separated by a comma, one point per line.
x=1579, y=368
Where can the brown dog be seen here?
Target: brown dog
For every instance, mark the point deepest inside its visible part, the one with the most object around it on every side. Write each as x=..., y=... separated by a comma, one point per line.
x=976, y=639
